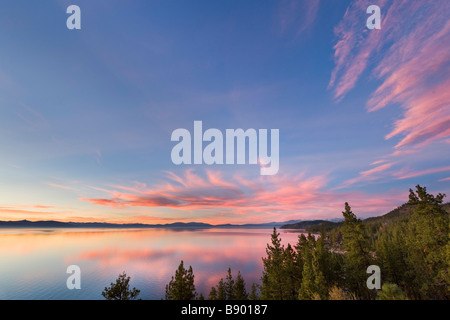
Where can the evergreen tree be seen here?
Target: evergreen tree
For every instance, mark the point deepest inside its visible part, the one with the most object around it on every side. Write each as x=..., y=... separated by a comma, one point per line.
x=324, y=272
x=335, y=270
x=291, y=275
x=229, y=289
x=254, y=293
x=413, y=251
x=427, y=240
x=239, y=288
x=221, y=292
x=307, y=288
x=357, y=257
x=313, y=283
x=392, y=254
x=273, y=279
x=320, y=285
x=337, y=293
x=302, y=248
x=181, y=287
x=390, y=291
x=230, y=293
x=120, y=290
x=212, y=294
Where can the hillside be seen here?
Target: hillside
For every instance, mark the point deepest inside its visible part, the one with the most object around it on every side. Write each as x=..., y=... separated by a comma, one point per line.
x=305, y=224
x=315, y=226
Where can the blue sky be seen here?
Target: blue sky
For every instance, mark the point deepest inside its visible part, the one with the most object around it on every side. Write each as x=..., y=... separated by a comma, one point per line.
x=86, y=115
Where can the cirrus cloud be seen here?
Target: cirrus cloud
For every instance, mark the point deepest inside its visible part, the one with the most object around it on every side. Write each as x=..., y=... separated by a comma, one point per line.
x=410, y=60
x=409, y=55
x=239, y=199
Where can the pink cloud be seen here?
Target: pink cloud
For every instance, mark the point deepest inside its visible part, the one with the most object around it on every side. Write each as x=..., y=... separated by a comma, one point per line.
x=192, y=191
x=353, y=49
x=376, y=169
x=405, y=174
x=404, y=152
x=378, y=162
x=368, y=175
x=411, y=58
x=20, y=210
x=58, y=186
x=241, y=200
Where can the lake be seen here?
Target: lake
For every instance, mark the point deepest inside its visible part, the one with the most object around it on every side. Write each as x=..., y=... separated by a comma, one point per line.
x=33, y=263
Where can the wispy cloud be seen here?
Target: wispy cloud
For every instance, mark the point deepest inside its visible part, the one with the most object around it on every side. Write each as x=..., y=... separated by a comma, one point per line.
x=353, y=49
x=7, y=82
x=260, y=199
x=297, y=15
x=411, y=58
x=403, y=174
x=19, y=210
x=32, y=114
x=378, y=162
x=368, y=175
x=376, y=169
x=58, y=186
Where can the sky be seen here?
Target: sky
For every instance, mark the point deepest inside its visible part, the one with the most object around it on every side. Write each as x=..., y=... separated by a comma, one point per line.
x=86, y=116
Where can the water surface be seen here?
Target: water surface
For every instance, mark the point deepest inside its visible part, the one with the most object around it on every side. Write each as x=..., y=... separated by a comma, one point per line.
x=33, y=263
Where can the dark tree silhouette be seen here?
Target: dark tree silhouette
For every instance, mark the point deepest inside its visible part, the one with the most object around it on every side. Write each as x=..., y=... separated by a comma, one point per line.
x=181, y=287
x=120, y=290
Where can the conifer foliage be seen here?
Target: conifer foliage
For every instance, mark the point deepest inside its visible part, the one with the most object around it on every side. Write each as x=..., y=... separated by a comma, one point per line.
x=182, y=286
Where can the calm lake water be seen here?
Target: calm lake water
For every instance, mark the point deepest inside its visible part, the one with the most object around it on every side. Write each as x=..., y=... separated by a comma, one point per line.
x=33, y=263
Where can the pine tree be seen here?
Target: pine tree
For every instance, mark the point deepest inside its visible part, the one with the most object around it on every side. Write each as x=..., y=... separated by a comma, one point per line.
x=230, y=293
x=324, y=268
x=427, y=240
x=254, y=293
x=301, y=248
x=336, y=269
x=273, y=280
x=357, y=257
x=229, y=289
x=181, y=287
x=120, y=290
x=390, y=291
x=239, y=288
x=320, y=285
x=212, y=294
x=392, y=254
x=307, y=288
x=413, y=251
x=221, y=292
x=337, y=293
x=291, y=275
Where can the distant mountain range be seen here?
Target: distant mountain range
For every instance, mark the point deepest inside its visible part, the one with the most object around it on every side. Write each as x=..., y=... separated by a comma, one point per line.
x=176, y=225
x=308, y=225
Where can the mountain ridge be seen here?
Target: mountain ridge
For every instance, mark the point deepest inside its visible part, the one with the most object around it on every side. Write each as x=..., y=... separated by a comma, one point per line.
x=106, y=225
x=316, y=226
x=310, y=225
